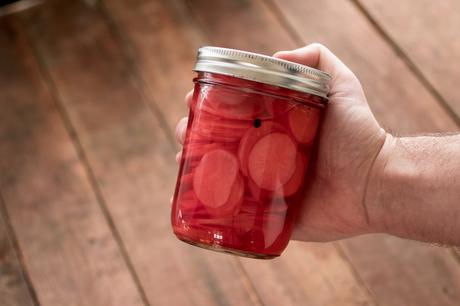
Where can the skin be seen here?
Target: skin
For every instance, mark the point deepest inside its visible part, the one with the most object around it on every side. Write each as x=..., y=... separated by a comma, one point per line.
x=366, y=180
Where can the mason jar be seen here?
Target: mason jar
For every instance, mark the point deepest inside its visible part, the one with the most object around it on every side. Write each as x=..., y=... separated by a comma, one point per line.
x=251, y=131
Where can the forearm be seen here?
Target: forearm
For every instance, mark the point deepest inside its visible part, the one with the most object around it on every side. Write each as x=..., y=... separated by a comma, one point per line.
x=414, y=189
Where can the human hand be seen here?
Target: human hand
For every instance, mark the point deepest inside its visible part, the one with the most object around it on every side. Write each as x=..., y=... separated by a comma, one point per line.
x=349, y=141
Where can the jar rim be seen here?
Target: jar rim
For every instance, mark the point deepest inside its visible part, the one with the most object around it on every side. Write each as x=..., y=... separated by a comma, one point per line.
x=264, y=69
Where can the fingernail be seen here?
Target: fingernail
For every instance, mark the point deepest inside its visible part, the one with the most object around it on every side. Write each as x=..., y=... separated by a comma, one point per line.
x=279, y=53
x=178, y=156
x=180, y=129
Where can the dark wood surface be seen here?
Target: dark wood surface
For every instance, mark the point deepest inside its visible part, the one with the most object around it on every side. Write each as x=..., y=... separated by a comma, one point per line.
x=90, y=93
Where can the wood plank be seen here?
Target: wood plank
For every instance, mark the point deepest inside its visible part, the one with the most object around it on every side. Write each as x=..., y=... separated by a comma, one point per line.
x=398, y=272
x=14, y=290
x=67, y=245
x=165, y=43
x=130, y=155
x=279, y=282
x=427, y=32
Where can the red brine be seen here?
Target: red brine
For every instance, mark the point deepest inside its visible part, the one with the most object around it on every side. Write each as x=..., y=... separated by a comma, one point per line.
x=244, y=165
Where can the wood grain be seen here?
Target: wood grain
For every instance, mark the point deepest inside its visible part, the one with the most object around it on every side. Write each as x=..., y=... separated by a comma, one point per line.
x=400, y=102
x=67, y=245
x=115, y=80
x=129, y=155
x=428, y=34
x=163, y=42
x=14, y=291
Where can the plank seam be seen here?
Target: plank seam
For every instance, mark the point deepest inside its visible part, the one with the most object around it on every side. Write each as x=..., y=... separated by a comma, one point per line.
x=198, y=22
x=11, y=236
x=139, y=81
x=51, y=86
x=285, y=24
x=250, y=288
x=410, y=64
x=355, y=273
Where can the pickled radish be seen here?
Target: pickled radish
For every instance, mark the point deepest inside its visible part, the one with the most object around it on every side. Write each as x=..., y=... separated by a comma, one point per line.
x=243, y=164
x=255, y=191
x=197, y=150
x=303, y=122
x=232, y=206
x=272, y=161
x=215, y=177
x=230, y=103
x=293, y=185
x=186, y=181
x=190, y=206
x=220, y=137
x=277, y=206
x=213, y=119
x=212, y=125
x=189, y=196
x=195, y=138
x=252, y=135
x=276, y=108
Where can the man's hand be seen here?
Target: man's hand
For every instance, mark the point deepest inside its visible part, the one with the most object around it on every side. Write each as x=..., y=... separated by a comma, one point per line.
x=349, y=141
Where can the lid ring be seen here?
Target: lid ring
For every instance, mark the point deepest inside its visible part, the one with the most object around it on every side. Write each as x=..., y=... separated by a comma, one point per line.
x=264, y=69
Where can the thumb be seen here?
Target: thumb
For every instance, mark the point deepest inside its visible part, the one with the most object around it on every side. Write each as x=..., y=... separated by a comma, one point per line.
x=318, y=56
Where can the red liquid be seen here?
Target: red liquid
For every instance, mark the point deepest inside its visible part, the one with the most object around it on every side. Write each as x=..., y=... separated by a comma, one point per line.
x=243, y=165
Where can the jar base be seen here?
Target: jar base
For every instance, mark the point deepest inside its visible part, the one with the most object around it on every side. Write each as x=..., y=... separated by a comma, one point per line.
x=222, y=249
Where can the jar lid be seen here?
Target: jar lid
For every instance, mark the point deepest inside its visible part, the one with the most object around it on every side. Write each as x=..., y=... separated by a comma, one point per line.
x=264, y=69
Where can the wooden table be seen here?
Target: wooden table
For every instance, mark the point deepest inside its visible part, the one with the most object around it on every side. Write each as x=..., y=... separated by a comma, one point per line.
x=89, y=96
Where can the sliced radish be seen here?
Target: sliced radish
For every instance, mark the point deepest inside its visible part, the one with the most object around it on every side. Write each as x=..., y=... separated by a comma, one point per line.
x=230, y=103
x=271, y=162
x=244, y=223
x=250, y=206
x=252, y=135
x=256, y=192
x=276, y=107
x=303, y=121
x=277, y=206
x=190, y=206
x=293, y=185
x=194, y=138
x=218, y=124
x=215, y=177
x=188, y=200
x=197, y=150
x=234, y=201
x=219, y=137
x=206, y=117
x=186, y=181
x=233, y=204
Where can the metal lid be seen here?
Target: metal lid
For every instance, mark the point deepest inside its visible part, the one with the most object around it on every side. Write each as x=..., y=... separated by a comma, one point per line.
x=264, y=69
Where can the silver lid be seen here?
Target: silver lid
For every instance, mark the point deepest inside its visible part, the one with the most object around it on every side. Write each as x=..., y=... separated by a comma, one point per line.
x=264, y=69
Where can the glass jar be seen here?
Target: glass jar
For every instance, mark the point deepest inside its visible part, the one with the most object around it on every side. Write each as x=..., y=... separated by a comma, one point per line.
x=250, y=134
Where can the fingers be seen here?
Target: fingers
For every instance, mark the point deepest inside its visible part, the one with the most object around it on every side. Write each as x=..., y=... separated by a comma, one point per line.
x=181, y=126
x=188, y=98
x=315, y=55
x=178, y=156
x=180, y=130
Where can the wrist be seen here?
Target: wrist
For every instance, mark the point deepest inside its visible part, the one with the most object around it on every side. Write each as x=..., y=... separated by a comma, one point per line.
x=376, y=197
